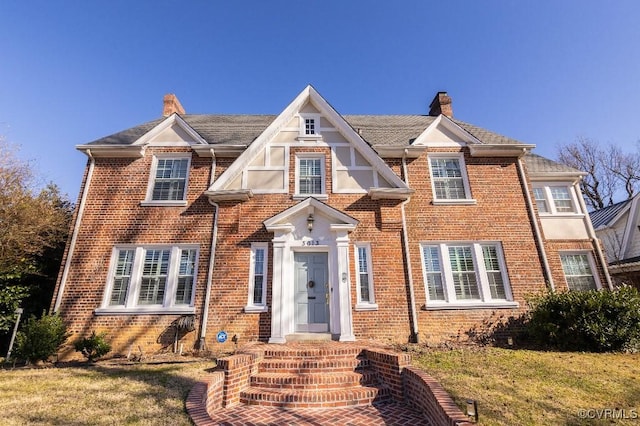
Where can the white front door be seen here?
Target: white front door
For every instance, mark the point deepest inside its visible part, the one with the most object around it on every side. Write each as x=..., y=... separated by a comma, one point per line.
x=311, y=292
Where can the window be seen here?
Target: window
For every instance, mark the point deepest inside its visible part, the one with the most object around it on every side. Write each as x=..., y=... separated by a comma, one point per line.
x=310, y=175
x=309, y=126
x=541, y=200
x=465, y=275
x=151, y=279
x=364, y=278
x=449, y=179
x=555, y=199
x=169, y=181
x=578, y=271
x=257, y=301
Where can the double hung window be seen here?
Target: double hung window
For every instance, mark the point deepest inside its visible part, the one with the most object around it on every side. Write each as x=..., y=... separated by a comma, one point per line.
x=464, y=273
x=578, y=271
x=151, y=279
x=449, y=179
x=555, y=199
x=364, y=277
x=257, y=299
x=310, y=175
x=169, y=178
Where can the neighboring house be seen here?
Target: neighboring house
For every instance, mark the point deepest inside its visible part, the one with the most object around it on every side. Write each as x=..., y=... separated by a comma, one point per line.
x=391, y=227
x=618, y=228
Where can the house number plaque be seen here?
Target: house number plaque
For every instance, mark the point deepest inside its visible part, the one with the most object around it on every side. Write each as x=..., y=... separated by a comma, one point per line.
x=311, y=243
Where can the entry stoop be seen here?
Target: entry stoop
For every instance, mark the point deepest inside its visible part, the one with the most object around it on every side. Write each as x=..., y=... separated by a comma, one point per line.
x=315, y=378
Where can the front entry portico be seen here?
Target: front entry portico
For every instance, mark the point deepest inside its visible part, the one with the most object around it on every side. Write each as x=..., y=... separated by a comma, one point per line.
x=311, y=262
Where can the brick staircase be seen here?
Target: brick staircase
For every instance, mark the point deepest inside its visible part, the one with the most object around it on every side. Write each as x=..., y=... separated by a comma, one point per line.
x=315, y=378
x=320, y=383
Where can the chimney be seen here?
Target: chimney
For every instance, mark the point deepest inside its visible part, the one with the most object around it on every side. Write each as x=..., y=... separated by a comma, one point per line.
x=441, y=104
x=171, y=105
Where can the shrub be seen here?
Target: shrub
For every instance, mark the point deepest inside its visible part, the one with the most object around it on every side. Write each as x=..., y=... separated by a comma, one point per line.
x=595, y=321
x=40, y=338
x=93, y=347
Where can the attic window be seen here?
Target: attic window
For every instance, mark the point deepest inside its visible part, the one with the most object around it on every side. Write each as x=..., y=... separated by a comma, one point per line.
x=309, y=126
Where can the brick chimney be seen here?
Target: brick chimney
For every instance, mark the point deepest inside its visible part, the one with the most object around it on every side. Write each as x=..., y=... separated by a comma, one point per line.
x=171, y=105
x=441, y=104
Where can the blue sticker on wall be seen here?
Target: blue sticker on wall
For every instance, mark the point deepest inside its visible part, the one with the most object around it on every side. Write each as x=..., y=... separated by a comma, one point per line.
x=221, y=337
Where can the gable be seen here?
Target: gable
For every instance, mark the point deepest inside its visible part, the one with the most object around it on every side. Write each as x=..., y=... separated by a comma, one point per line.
x=171, y=135
x=270, y=162
x=443, y=132
x=173, y=131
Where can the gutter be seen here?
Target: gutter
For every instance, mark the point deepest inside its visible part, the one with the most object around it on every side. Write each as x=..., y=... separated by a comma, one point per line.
x=212, y=256
x=405, y=236
x=593, y=236
x=536, y=228
x=76, y=230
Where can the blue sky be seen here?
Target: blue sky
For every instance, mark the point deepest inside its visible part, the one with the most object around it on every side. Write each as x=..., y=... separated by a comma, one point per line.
x=542, y=72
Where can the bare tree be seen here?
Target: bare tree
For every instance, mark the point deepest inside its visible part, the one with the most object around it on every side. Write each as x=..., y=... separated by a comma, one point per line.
x=611, y=173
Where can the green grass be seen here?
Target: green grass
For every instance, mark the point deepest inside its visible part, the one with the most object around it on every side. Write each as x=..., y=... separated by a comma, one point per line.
x=101, y=394
x=522, y=387
x=512, y=387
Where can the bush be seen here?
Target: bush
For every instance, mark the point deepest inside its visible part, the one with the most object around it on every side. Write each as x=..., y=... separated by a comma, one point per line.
x=40, y=338
x=595, y=321
x=93, y=347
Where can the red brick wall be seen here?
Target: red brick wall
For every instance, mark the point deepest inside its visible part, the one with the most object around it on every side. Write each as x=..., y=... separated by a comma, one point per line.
x=113, y=215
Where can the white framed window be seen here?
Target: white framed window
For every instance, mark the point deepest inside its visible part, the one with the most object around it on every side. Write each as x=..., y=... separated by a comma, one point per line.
x=257, y=299
x=151, y=279
x=465, y=275
x=309, y=126
x=364, y=277
x=578, y=270
x=449, y=179
x=310, y=176
x=168, y=180
x=555, y=198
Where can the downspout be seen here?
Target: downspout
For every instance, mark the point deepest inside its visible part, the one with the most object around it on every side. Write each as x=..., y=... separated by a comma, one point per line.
x=593, y=236
x=212, y=257
x=405, y=236
x=76, y=230
x=536, y=228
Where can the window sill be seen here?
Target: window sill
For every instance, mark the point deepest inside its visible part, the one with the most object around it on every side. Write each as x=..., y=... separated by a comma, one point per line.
x=319, y=197
x=562, y=215
x=189, y=310
x=251, y=309
x=163, y=203
x=366, y=307
x=471, y=305
x=463, y=202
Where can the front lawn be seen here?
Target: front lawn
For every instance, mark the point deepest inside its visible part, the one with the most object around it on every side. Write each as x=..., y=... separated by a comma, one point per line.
x=100, y=394
x=523, y=387
x=512, y=387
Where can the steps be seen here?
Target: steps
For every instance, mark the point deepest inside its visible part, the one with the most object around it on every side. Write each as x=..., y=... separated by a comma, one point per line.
x=314, y=378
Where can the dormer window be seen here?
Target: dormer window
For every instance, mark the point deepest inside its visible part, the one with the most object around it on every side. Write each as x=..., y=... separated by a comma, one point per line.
x=309, y=126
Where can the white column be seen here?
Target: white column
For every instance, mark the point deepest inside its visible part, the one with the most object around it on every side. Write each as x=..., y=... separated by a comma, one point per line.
x=346, y=320
x=277, y=302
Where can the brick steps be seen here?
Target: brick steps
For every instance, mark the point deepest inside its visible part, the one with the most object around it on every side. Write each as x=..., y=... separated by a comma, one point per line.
x=296, y=398
x=314, y=377
x=313, y=381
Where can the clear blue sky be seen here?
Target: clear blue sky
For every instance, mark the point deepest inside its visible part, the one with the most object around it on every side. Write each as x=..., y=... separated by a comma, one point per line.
x=543, y=72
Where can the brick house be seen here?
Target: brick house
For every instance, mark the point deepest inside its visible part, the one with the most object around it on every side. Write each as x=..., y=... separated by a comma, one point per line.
x=399, y=227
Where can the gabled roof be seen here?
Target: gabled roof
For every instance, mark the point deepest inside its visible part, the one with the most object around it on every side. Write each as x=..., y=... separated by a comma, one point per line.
x=375, y=130
x=608, y=215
